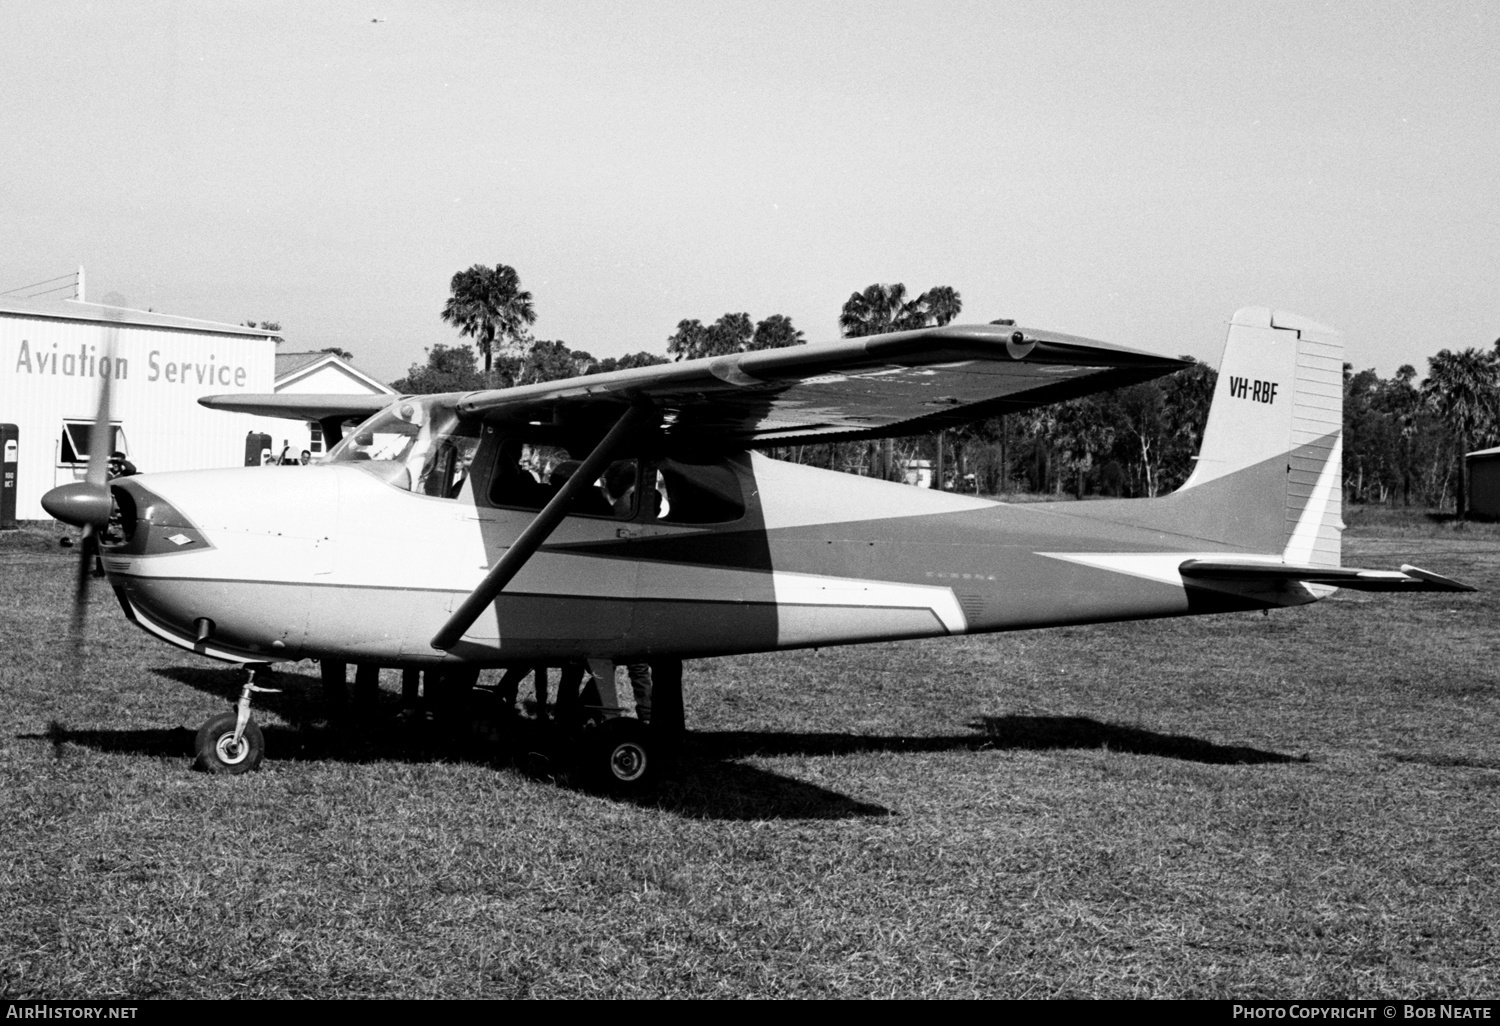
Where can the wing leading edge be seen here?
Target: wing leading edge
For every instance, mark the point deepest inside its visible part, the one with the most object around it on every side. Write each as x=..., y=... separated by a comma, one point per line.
x=880, y=386
x=300, y=407
x=875, y=387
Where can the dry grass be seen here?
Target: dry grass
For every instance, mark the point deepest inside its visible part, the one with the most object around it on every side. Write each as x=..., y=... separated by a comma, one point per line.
x=1295, y=805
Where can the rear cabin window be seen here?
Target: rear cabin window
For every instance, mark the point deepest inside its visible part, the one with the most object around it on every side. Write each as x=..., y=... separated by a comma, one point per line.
x=698, y=493
x=528, y=475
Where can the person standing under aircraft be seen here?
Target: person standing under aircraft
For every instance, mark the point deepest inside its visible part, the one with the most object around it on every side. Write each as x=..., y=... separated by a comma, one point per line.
x=640, y=687
x=569, y=702
x=510, y=683
x=572, y=691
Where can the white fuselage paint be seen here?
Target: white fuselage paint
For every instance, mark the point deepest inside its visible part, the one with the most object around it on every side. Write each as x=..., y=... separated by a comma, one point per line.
x=330, y=560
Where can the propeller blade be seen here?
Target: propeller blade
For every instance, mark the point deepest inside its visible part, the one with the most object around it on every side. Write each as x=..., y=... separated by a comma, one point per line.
x=74, y=655
x=101, y=439
x=87, y=503
x=88, y=550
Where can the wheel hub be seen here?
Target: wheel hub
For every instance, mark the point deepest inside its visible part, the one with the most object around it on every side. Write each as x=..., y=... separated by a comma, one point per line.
x=628, y=762
x=230, y=751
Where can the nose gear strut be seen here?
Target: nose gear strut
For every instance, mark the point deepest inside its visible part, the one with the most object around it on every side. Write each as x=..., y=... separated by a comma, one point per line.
x=231, y=742
x=242, y=710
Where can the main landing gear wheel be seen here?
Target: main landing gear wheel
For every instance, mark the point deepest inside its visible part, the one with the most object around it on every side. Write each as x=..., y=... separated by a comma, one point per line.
x=218, y=752
x=619, y=756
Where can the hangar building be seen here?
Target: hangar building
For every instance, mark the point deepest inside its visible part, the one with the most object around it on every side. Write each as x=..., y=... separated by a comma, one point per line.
x=55, y=353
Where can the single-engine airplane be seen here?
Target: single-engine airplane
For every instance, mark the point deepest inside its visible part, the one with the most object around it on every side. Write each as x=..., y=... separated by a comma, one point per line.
x=624, y=516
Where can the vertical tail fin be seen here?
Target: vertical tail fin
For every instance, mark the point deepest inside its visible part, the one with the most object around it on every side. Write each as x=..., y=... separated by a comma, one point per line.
x=1271, y=461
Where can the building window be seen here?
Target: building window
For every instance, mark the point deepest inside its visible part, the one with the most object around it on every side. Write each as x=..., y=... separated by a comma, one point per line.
x=76, y=438
x=316, y=431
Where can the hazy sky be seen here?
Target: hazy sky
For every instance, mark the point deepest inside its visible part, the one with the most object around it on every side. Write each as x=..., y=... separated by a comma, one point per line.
x=1128, y=171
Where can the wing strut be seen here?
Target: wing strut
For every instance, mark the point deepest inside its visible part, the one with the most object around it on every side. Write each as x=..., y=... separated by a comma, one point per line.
x=333, y=429
x=537, y=531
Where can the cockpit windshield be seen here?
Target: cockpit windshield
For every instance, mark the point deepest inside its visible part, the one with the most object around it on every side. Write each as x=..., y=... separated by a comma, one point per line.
x=417, y=445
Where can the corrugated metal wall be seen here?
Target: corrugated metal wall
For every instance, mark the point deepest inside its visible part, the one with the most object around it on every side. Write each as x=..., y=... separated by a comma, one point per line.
x=50, y=371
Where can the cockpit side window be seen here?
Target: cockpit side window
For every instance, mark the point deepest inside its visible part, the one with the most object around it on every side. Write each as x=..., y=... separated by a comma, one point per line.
x=528, y=475
x=445, y=468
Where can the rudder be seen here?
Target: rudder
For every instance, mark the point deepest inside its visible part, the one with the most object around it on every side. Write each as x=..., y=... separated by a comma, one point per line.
x=1274, y=438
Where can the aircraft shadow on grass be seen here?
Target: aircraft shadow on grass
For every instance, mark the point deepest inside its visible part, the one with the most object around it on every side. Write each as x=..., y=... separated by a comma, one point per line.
x=710, y=781
x=996, y=733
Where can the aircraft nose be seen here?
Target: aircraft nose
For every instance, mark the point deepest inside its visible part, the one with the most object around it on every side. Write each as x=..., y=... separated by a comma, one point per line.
x=81, y=503
x=148, y=525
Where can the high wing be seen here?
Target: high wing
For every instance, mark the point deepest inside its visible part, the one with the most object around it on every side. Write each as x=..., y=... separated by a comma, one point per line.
x=300, y=407
x=904, y=383
x=329, y=410
x=1408, y=578
x=880, y=386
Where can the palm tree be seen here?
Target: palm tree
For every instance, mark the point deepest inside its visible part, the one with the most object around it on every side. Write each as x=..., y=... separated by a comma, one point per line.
x=941, y=303
x=489, y=305
x=1460, y=388
x=776, y=332
x=879, y=309
x=882, y=308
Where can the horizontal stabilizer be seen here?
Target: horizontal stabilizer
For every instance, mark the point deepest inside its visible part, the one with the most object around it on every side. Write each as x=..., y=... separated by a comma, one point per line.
x=1408, y=578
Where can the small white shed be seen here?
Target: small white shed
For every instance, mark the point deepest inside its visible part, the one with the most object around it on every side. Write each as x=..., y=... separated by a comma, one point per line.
x=317, y=373
x=1484, y=482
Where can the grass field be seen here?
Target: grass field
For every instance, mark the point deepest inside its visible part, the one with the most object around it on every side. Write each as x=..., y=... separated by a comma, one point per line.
x=1305, y=804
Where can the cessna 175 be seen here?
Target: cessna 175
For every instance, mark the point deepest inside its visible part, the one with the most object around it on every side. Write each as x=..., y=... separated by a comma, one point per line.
x=425, y=540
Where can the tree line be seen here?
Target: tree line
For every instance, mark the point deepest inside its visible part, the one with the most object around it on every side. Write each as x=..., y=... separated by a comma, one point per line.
x=1403, y=440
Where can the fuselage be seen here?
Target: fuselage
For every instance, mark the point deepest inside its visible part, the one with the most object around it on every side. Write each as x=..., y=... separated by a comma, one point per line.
x=271, y=564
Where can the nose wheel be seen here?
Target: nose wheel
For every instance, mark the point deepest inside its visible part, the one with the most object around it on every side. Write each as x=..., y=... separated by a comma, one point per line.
x=222, y=749
x=230, y=742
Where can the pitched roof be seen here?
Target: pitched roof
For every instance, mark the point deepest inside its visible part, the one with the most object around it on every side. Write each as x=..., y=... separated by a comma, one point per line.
x=290, y=363
x=291, y=366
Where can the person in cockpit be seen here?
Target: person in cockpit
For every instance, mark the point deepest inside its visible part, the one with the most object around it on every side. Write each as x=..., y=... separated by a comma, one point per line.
x=618, y=487
x=513, y=484
x=589, y=501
